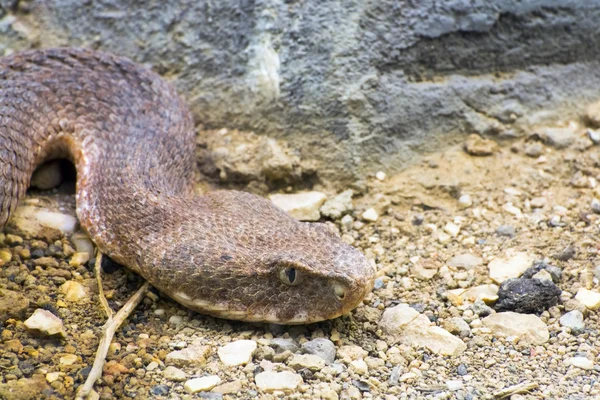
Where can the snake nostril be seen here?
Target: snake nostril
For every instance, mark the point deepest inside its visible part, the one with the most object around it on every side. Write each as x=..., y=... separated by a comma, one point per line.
x=339, y=290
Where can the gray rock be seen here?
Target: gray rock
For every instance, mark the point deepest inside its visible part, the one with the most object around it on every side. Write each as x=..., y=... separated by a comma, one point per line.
x=481, y=309
x=527, y=296
x=506, y=230
x=558, y=137
x=458, y=326
x=280, y=345
x=534, y=149
x=338, y=206
x=555, y=272
x=278, y=68
x=574, y=321
x=321, y=347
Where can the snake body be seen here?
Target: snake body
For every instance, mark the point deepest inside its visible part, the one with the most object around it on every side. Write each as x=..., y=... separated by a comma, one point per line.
x=131, y=138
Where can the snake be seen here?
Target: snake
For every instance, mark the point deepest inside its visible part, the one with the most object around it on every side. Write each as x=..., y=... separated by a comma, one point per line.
x=132, y=139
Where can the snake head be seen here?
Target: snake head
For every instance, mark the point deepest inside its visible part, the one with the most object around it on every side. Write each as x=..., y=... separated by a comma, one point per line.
x=241, y=257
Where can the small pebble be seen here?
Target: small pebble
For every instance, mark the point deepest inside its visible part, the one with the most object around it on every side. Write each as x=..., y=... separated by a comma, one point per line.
x=174, y=374
x=237, y=353
x=370, y=215
x=574, y=321
x=270, y=381
x=201, y=384
x=45, y=323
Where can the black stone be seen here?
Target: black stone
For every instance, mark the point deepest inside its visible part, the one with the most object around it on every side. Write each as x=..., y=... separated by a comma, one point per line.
x=160, y=390
x=361, y=385
x=528, y=296
x=555, y=272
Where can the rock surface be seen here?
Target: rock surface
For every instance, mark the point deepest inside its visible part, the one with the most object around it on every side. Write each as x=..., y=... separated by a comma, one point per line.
x=277, y=68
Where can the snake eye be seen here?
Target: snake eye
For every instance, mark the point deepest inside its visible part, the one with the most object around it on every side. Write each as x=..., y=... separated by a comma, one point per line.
x=290, y=276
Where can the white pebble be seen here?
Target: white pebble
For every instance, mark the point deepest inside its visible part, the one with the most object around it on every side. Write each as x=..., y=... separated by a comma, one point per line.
x=302, y=206
x=380, y=176
x=73, y=291
x=465, y=201
x=452, y=229
x=370, y=215
x=237, y=353
x=588, y=298
x=46, y=323
x=270, y=381
x=201, y=384
x=176, y=319
x=580, y=362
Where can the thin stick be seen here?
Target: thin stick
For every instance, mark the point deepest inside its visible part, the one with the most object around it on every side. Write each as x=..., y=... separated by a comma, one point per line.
x=108, y=331
x=98, y=272
x=523, y=387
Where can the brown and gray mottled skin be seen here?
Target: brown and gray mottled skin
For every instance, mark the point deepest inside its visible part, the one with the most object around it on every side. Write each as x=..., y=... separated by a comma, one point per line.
x=226, y=253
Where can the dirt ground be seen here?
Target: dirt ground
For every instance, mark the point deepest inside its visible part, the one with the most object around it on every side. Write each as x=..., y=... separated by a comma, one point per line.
x=531, y=195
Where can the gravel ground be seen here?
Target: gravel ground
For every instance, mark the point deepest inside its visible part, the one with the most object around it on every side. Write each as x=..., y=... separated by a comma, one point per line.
x=444, y=234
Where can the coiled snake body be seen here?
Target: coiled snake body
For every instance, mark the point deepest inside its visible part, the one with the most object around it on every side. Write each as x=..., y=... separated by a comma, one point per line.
x=131, y=138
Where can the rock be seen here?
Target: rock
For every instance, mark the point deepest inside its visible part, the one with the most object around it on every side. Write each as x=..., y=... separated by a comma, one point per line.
x=594, y=136
x=176, y=319
x=201, y=384
x=302, y=206
x=370, y=215
x=502, y=269
x=528, y=328
x=79, y=258
x=528, y=296
x=559, y=138
x=321, y=347
x=543, y=275
x=454, y=385
x=465, y=261
x=229, y=387
x=351, y=352
x=24, y=388
x=506, y=230
x=595, y=206
x=423, y=270
x=465, y=201
x=52, y=376
x=174, y=374
x=237, y=353
x=160, y=390
x=486, y=293
x=457, y=326
x=45, y=323
x=83, y=244
x=534, y=149
x=580, y=362
x=193, y=355
x=310, y=361
x=592, y=114
x=270, y=381
x=555, y=272
x=73, y=291
x=68, y=359
x=339, y=206
x=404, y=324
x=47, y=176
x=12, y=305
x=359, y=366
x=574, y=321
x=47, y=262
x=481, y=309
x=280, y=345
x=475, y=145
x=452, y=229
x=40, y=222
x=566, y=254
x=588, y=298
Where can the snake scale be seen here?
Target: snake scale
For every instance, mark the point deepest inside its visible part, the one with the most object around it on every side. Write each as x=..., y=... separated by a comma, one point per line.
x=229, y=254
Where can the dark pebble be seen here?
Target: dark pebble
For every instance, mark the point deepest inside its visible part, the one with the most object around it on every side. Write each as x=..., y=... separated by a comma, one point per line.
x=26, y=368
x=83, y=373
x=528, y=296
x=481, y=309
x=462, y=370
x=160, y=390
x=506, y=230
x=418, y=220
x=555, y=272
x=566, y=254
x=37, y=253
x=361, y=385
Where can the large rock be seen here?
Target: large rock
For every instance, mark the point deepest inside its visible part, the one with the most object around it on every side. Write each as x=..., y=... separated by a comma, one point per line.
x=355, y=85
x=527, y=328
x=406, y=325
